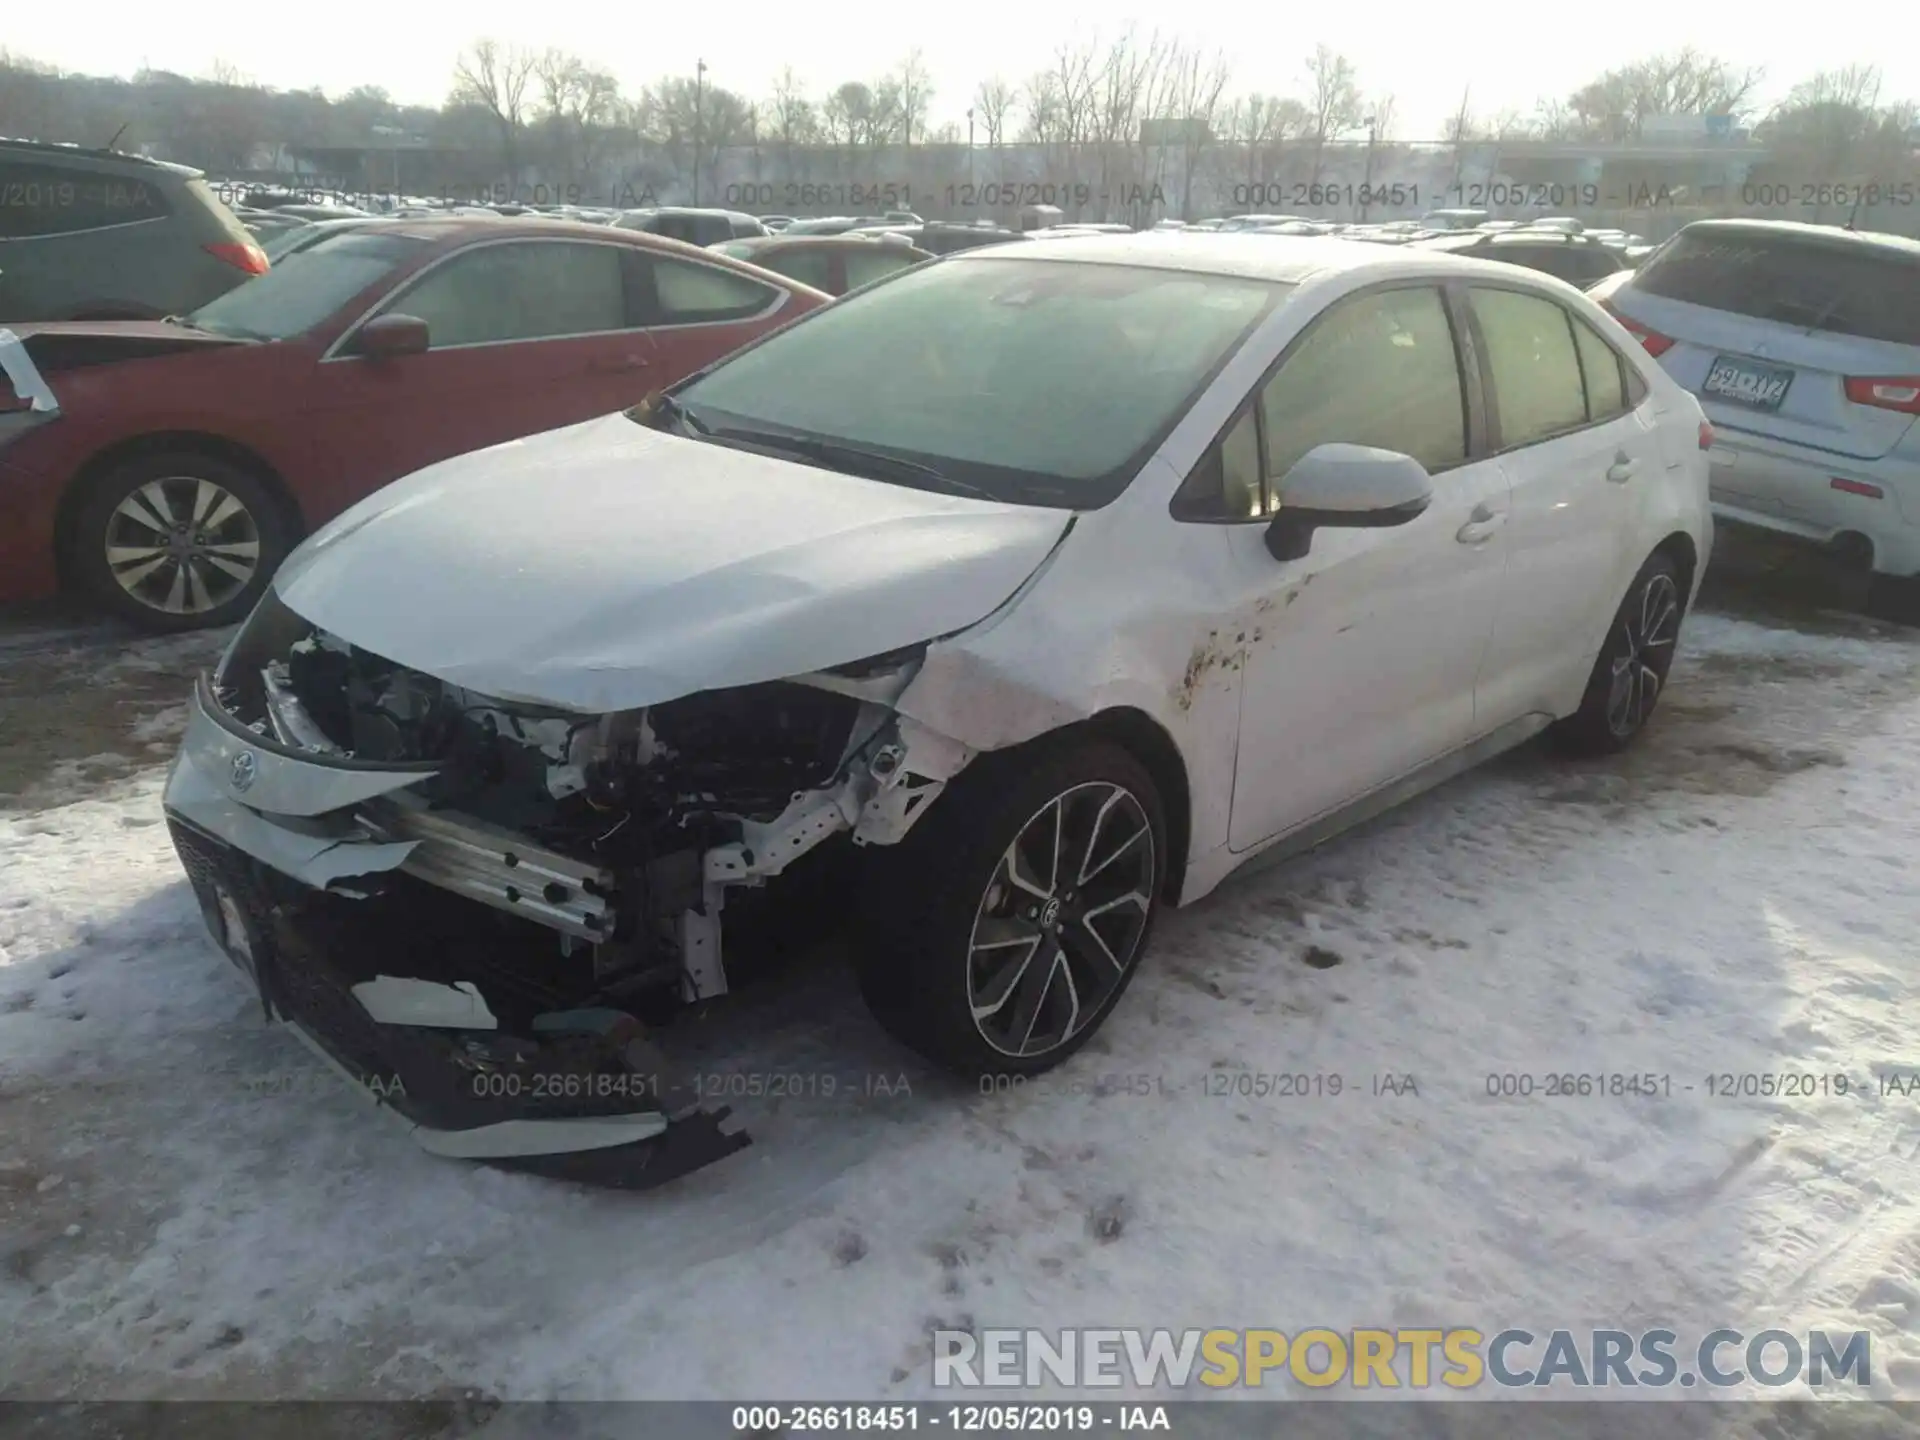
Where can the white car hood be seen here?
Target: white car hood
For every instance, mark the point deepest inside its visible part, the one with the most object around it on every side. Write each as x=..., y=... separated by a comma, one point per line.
x=606, y=566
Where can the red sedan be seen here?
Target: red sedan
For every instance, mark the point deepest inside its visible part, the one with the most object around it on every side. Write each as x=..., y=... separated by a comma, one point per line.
x=167, y=467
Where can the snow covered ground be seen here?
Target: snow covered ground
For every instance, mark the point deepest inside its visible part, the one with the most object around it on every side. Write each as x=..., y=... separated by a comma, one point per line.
x=190, y=1206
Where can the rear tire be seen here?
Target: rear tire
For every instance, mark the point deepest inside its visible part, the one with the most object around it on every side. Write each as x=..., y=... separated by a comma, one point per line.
x=1000, y=933
x=1631, y=671
x=179, y=540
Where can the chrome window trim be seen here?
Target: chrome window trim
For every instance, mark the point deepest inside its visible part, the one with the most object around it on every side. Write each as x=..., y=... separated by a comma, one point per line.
x=88, y=230
x=373, y=311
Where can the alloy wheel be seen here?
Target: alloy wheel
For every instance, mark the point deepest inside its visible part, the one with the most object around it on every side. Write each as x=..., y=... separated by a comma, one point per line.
x=183, y=545
x=1061, y=919
x=1642, y=652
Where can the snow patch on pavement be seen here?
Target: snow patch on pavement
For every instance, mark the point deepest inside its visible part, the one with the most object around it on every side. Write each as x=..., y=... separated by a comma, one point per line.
x=1737, y=896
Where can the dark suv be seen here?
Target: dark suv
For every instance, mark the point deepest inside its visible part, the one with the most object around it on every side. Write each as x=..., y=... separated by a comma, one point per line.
x=1577, y=259
x=696, y=227
x=99, y=235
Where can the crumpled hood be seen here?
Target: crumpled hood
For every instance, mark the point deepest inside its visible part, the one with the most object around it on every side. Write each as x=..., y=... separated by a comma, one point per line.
x=606, y=566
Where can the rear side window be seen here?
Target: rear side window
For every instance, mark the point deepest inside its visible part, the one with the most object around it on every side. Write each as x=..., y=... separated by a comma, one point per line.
x=691, y=294
x=38, y=200
x=539, y=290
x=1536, y=372
x=1604, y=372
x=1845, y=288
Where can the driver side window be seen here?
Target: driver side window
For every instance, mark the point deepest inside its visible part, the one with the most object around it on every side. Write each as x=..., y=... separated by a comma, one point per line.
x=538, y=290
x=1376, y=369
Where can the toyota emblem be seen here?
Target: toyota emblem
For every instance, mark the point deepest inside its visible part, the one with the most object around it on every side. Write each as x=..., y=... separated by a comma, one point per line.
x=245, y=770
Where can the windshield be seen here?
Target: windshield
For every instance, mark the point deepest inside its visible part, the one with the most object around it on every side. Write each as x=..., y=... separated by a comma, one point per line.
x=307, y=287
x=1031, y=381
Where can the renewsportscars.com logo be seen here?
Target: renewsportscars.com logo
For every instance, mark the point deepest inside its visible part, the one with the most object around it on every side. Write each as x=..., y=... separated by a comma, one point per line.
x=1398, y=1359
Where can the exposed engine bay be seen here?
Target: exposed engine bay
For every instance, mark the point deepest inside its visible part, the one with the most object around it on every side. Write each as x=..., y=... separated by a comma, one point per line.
x=621, y=831
x=335, y=811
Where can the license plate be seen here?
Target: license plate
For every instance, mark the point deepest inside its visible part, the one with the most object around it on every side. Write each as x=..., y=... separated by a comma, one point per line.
x=1760, y=387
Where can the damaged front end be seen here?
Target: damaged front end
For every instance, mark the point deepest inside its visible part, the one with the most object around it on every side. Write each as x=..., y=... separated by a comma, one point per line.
x=488, y=912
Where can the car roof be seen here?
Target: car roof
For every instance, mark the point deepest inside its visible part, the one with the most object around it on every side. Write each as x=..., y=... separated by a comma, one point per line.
x=451, y=231
x=85, y=152
x=1833, y=235
x=856, y=241
x=1250, y=256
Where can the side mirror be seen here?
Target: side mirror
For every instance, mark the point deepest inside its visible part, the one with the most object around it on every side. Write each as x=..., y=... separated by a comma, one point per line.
x=390, y=336
x=1345, y=486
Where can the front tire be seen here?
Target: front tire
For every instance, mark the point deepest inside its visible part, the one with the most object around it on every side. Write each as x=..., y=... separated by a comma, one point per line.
x=1005, y=927
x=1631, y=672
x=179, y=540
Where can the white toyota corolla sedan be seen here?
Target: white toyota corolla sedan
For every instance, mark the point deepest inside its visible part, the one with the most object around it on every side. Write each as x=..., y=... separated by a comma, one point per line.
x=1012, y=598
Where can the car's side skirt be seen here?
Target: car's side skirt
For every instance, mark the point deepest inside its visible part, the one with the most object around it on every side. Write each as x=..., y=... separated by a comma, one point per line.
x=1206, y=875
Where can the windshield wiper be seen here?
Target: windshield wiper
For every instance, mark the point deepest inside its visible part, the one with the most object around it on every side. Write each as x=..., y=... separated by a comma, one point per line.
x=857, y=460
x=667, y=405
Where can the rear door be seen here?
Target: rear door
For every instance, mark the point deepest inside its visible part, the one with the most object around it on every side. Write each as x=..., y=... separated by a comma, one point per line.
x=1564, y=412
x=1363, y=667
x=526, y=335
x=1767, y=326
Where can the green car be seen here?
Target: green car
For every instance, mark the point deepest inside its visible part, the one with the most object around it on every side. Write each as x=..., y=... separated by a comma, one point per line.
x=102, y=235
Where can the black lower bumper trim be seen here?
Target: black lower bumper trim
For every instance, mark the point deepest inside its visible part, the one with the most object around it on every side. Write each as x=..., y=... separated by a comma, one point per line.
x=305, y=951
x=687, y=1144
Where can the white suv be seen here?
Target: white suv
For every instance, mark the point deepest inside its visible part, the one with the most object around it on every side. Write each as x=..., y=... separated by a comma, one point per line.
x=1803, y=345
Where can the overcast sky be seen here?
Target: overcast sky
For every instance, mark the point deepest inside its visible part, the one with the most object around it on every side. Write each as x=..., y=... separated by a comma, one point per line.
x=1511, y=53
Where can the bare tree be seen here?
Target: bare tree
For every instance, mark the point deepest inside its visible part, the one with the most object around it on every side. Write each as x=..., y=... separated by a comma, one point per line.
x=1264, y=124
x=579, y=105
x=225, y=72
x=1333, y=100
x=1460, y=133
x=1199, y=82
x=1834, y=121
x=854, y=115
x=494, y=78
x=692, y=121
x=1382, y=118
x=913, y=91
x=1061, y=104
x=1125, y=92
x=1046, y=119
x=993, y=105
x=1616, y=106
x=791, y=116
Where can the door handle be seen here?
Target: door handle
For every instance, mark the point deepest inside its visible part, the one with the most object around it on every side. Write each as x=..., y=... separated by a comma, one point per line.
x=1623, y=469
x=619, y=365
x=1480, y=525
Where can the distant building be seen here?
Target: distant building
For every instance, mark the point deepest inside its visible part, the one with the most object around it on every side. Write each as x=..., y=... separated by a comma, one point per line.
x=1171, y=134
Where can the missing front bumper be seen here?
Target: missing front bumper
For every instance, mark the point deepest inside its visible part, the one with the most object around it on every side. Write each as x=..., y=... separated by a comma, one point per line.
x=569, y=1093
